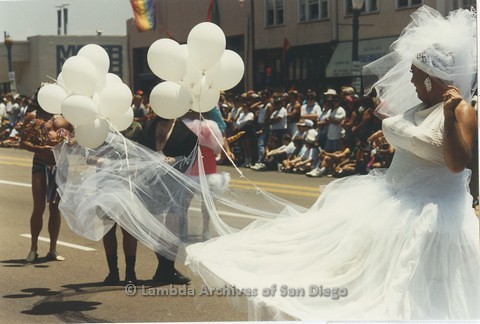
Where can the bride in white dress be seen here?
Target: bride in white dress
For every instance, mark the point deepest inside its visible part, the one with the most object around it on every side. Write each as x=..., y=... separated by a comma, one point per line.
x=395, y=245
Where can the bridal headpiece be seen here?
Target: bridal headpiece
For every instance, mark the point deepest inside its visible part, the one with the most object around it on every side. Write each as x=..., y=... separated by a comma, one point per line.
x=443, y=47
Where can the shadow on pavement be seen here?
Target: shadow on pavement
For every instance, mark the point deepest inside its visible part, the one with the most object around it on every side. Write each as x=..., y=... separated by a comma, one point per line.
x=58, y=307
x=33, y=292
x=100, y=286
x=39, y=263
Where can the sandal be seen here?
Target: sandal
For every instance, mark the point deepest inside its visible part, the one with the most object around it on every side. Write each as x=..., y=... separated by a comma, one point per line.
x=32, y=256
x=54, y=256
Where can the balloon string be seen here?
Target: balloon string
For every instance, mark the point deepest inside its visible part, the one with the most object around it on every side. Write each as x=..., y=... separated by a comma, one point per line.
x=126, y=152
x=228, y=157
x=218, y=142
x=55, y=80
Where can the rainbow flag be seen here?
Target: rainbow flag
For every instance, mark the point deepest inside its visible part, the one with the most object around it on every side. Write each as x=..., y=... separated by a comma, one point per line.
x=144, y=11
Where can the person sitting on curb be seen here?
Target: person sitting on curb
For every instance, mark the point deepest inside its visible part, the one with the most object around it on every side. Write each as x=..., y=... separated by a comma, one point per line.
x=307, y=157
x=329, y=161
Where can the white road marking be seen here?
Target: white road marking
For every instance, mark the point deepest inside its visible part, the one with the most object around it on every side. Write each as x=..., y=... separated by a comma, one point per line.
x=13, y=183
x=231, y=214
x=74, y=246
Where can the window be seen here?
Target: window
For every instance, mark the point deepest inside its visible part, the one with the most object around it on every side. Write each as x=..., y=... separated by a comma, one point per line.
x=290, y=71
x=310, y=10
x=274, y=12
x=304, y=74
x=368, y=6
x=408, y=3
x=298, y=69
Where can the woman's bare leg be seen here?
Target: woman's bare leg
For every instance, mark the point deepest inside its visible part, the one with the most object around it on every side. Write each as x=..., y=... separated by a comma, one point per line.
x=39, y=187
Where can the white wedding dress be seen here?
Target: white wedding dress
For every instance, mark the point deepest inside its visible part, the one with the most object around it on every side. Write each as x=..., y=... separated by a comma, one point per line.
x=395, y=245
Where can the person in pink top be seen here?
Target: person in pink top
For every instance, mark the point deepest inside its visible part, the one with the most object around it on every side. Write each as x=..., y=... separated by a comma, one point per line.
x=210, y=142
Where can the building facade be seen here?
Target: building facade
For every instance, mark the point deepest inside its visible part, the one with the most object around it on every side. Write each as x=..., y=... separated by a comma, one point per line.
x=285, y=43
x=40, y=59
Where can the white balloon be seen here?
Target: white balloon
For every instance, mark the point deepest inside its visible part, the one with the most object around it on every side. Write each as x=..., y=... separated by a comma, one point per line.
x=197, y=88
x=80, y=75
x=124, y=121
x=98, y=56
x=50, y=98
x=170, y=100
x=106, y=80
x=184, y=48
x=206, y=100
x=79, y=110
x=113, y=78
x=101, y=83
x=227, y=72
x=192, y=77
x=61, y=82
x=92, y=135
x=96, y=98
x=167, y=59
x=115, y=99
x=206, y=44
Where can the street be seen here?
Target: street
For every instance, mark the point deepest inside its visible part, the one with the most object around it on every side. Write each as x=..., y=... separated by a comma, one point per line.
x=73, y=290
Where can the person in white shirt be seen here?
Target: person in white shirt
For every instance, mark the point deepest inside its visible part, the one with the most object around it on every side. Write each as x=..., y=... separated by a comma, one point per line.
x=308, y=155
x=278, y=127
x=335, y=130
x=278, y=118
x=3, y=112
x=263, y=110
x=23, y=109
x=322, y=125
x=244, y=123
x=287, y=148
x=12, y=109
x=311, y=109
x=302, y=127
x=293, y=111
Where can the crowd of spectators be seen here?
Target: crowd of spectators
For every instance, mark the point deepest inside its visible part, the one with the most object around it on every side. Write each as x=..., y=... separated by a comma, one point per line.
x=305, y=133
x=13, y=109
x=292, y=132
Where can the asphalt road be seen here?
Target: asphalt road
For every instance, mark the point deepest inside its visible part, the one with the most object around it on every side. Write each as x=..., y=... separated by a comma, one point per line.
x=72, y=291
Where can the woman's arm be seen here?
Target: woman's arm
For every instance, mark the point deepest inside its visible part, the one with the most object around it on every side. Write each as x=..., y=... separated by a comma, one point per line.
x=378, y=140
x=162, y=133
x=226, y=146
x=344, y=162
x=366, y=116
x=460, y=129
x=295, y=113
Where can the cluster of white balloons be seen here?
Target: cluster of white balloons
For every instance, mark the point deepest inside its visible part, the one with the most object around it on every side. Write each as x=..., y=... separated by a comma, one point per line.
x=89, y=97
x=195, y=72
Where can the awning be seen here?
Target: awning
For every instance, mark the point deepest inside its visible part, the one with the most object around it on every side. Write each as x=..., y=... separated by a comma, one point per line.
x=340, y=64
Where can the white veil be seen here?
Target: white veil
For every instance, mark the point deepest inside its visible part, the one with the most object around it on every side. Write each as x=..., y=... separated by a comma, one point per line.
x=123, y=182
x=432, y=34
x=126, y=183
